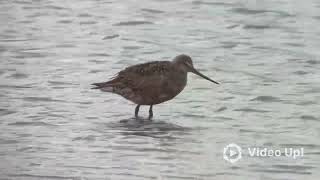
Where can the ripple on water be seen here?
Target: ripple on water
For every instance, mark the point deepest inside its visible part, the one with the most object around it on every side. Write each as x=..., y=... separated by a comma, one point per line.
x=54, y=7
x=300, y=145
x=31, y=149
x=19, y=75
x=10, y=141
x=15, y=86
x=221, y=109
x=199, y=2
x=309, y=117
x=111, y=36
x=131, y=47
x=196, y=116
x=304, y=103
x=98, y=61
x=300, y=72
x=251, y=110
x=257, y=26
x=294, y=44
x=145, y=127
x=25, y=55
x=223, y=118
x=88, y=22
x=132, y=23
x=96, y=71
x=246, y=11
x=98, y=54
x=34, y=176
x=59, y=83
x=266, y=99
x=4, y=112
x=28, y=123
x=313, y=62
x=153, y=11
x=293, y=167
x=85, y=138
x=284, y=169
x=145, y=124
x=44, y=99
x=65, y=21
x=84, y=15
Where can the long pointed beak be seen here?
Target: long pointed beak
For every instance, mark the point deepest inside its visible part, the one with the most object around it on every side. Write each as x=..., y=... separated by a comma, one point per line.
x=201, y=75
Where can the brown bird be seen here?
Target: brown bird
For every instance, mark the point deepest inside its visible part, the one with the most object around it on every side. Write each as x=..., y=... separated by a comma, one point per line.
x=151, y=83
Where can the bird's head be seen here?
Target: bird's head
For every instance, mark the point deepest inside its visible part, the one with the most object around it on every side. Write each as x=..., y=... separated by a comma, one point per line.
x=185, y=63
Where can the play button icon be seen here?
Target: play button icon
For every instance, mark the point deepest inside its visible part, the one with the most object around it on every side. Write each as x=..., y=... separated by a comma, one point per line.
x=232, y=153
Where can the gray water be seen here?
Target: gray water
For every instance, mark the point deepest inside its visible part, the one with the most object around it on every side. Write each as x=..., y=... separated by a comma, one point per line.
x=264, y=53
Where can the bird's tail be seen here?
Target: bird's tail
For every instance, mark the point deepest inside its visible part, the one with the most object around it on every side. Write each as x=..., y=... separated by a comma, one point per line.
x=107, y=86
x=98, y=85
x=104, y=86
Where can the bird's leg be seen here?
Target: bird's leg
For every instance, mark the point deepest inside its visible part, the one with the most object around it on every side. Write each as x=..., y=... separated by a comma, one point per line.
x=137, y=110
x=150, y=112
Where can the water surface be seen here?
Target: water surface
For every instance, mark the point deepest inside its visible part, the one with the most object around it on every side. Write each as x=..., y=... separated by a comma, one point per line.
x=265, y=54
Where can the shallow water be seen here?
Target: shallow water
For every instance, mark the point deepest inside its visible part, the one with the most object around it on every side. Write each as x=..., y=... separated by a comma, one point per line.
x=265, y=54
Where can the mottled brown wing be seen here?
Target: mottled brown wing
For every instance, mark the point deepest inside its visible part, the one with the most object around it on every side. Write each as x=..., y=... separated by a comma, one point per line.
x=143, y=84
x=148, y=69
x=143, y=75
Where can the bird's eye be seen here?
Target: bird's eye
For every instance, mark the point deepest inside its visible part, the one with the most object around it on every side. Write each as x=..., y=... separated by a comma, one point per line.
x=188, y=64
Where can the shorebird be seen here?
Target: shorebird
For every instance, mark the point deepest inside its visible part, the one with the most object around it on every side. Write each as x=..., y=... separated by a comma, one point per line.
x=152, y=82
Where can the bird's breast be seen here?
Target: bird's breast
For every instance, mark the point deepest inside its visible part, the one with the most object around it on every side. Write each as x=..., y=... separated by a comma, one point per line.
x=157, y=89
x=170, y=87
